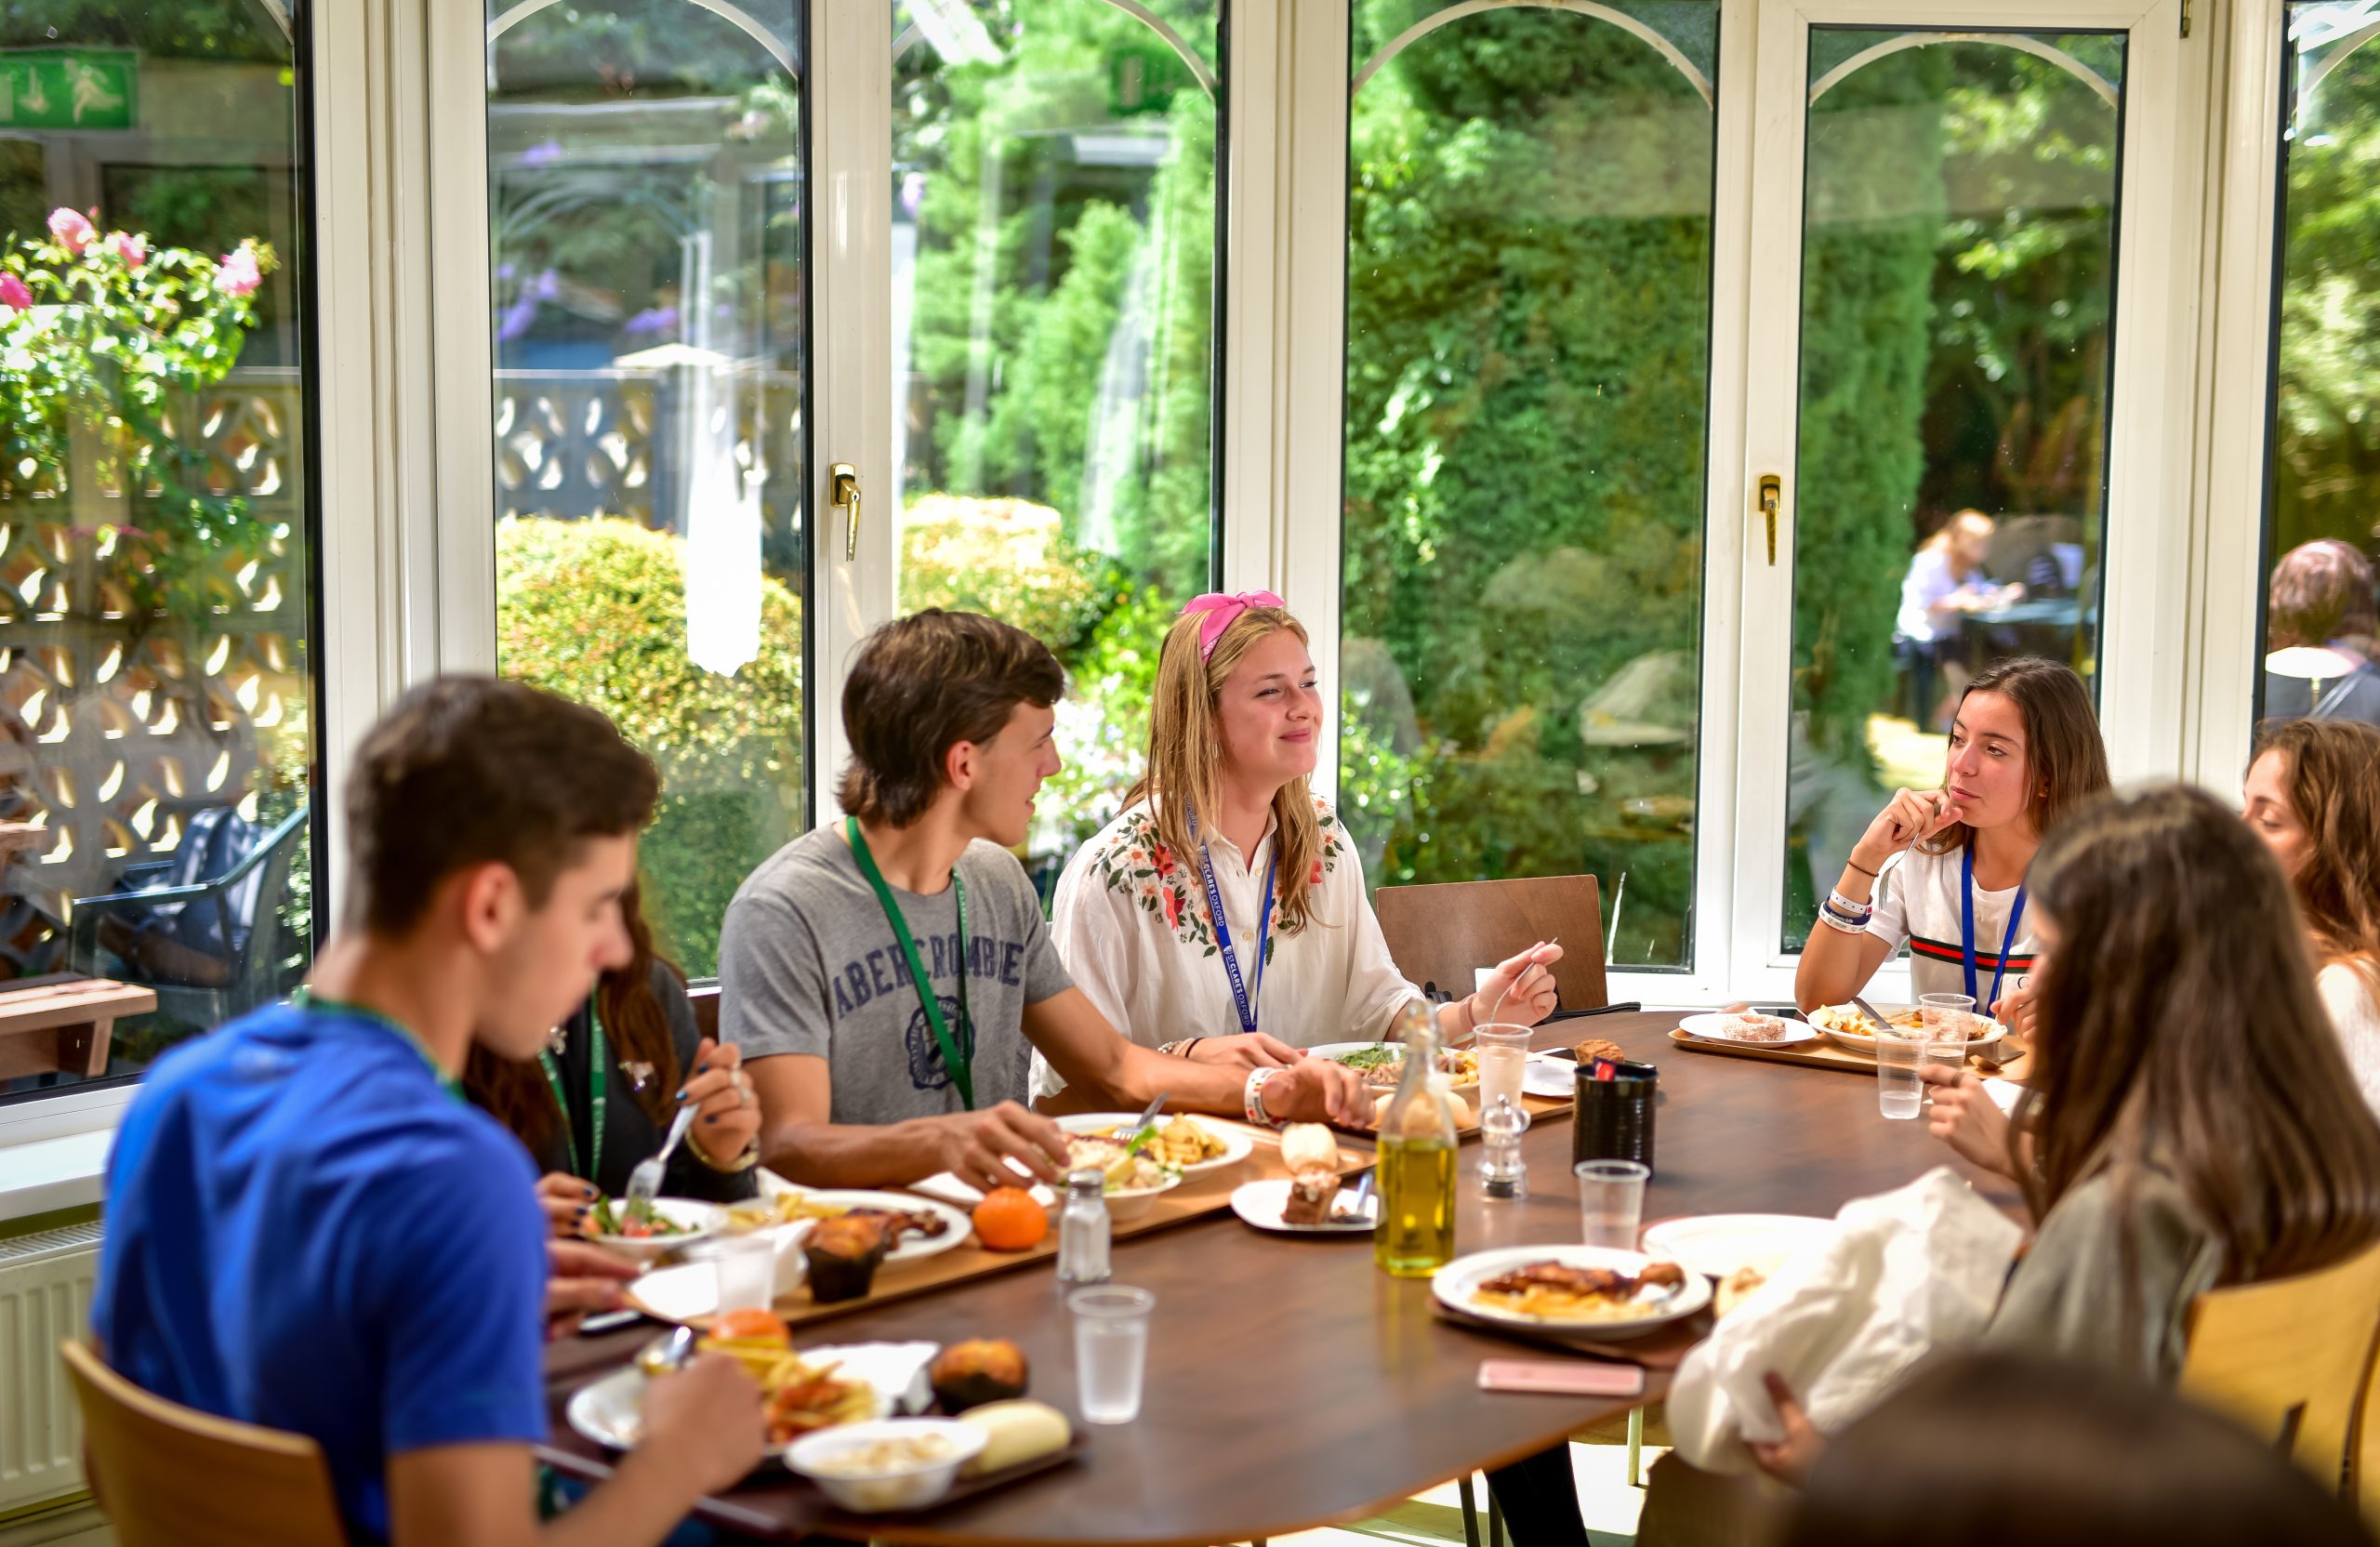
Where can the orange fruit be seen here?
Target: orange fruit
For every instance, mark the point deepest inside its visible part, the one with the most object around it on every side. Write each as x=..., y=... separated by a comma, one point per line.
x=752, y=1326
x=1007, y=1220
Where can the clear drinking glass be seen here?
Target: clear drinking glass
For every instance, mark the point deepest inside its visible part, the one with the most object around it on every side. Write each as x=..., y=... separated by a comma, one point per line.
x=1899, y=1090
x=747, y=1266
x=1111, y=1350
x=1611, y=1202
x=1503, y=1058
x=1946, y=1013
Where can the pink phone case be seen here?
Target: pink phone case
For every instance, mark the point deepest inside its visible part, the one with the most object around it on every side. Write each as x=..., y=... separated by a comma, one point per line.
x=1567, y=1378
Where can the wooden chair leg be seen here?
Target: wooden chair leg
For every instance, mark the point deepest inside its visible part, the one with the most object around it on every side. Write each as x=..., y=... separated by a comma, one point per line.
x=1470, y=1512
x=1635, y=1448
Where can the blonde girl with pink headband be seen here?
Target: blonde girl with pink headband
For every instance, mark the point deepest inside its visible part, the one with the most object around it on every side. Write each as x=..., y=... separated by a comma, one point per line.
x=1222, y=915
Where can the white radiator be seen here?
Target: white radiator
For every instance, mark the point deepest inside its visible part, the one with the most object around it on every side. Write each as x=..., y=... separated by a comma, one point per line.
x=45, y=1299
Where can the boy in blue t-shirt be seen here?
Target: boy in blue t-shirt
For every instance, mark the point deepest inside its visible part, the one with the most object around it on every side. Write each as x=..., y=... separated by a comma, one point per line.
x=307, y=1226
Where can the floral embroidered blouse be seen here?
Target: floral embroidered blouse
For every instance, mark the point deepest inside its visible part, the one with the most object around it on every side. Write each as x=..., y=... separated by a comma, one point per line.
x=1133, y=929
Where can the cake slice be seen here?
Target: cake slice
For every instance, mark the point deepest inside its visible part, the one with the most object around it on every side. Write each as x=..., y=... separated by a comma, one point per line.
x=1311, y=1192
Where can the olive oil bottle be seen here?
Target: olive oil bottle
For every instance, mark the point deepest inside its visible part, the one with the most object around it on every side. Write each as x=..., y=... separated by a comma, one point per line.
x=1415, y=1236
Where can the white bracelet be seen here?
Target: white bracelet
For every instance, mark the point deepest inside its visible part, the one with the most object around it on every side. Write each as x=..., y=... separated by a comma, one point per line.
x=1831, y=921
x=1252, y=1097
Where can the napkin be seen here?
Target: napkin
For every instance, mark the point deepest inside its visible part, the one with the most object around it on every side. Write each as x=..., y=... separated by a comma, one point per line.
x=686, y=1290
x=946, y=1187
x=897, y=1371
x=1910, y=1270
x=2003, y=1093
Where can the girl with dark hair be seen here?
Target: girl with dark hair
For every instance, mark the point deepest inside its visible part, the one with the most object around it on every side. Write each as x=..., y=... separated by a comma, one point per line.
x=2319, y=628
x=601, y=1095
x=2313, y=795
x=1943, y=870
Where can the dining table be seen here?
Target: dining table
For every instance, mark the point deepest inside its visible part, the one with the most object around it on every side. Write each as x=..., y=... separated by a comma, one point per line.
x=1290, y=1384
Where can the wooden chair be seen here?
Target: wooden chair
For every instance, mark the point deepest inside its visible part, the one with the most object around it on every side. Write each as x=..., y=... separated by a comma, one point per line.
x=1438, y=934
x=166, y=1476
x=2290, y=1358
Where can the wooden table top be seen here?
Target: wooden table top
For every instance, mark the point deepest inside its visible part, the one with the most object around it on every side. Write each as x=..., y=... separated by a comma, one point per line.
x=1290, y=1384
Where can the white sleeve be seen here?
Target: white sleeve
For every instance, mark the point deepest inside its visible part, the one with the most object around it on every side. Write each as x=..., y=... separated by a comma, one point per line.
x=1095, y=930
x=1890, y=921
x=1376, y=991
x=2353, y=1011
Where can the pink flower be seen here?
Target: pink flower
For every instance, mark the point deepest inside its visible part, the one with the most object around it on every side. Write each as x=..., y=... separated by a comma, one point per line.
x=127, y=246
x=13, y=294
x=1164, y=860
x=71, y=229
x=239, y=274
x=1173, y=908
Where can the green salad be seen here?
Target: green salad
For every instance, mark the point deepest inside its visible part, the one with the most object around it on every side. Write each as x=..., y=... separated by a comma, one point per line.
x=634, y=1221
x=1380, y=1055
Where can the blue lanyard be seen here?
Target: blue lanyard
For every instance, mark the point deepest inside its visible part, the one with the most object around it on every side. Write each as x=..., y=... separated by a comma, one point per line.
x=1966, y=929
x=1240, y=994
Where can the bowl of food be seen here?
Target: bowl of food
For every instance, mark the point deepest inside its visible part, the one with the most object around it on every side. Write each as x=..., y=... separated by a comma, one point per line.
x=899, y=1464
x=1382, y=1064
x=1134, y=1180
x=645, y=1230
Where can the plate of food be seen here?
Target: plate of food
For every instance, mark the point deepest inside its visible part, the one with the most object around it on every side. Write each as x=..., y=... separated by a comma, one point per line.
x=644, y=1230
x=914, y=1227
x=1382, y=1064
x=1854, y=1029
x=1191, y=1145
x=803, y=1393
x=1724, y=1246
x=1612, y=1292
x=1748, y=1026
x=1297, y=1207
x=1134, y=1180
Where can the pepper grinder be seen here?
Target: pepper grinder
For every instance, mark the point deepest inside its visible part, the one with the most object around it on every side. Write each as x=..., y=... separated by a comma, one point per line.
x=1502, y=1173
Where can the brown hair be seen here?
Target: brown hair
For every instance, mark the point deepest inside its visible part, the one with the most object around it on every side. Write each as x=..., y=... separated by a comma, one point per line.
x=2321, y=591
x=2179, y=1028
x=465, y=770
x=920, y=686
x=2333, y=781
x=635, y=1023
x=2081, y=1456
x=1186, y=751
x=2066, y=764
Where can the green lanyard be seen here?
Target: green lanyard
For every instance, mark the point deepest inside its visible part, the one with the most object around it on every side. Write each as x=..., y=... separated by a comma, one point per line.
x=599, y=1078
x=961, y=1067
x=306, y=998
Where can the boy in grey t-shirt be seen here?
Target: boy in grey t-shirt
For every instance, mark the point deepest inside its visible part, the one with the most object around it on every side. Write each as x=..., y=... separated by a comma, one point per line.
x=864, y=1081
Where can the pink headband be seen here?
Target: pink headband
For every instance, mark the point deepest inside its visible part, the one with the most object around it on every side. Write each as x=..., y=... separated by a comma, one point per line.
x=1220, y=608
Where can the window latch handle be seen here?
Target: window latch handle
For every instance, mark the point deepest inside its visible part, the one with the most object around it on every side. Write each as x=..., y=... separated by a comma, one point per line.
x=843, y=490
x=1772, y=490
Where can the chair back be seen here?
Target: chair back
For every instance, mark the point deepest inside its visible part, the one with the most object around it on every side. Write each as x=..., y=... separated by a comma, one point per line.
x=1438, y=934
x=166, y=1476
x=2290, y=1358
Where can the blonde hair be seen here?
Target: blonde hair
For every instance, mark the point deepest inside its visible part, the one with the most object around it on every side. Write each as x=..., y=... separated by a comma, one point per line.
x=1184, y=770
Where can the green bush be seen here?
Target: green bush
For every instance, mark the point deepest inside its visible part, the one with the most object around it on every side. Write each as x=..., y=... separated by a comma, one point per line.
x=596, y=611
x=1006, y=558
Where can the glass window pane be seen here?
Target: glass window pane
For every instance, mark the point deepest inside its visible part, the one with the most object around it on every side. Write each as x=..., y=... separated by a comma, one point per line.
x=1528, y=309
x=1958, y=260
x=1053, y=233
x=157, y=688
x=2323, y=527
x=646, y=182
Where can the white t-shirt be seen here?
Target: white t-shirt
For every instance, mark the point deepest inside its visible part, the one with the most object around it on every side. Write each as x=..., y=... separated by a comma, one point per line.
x=1131, y=924
x=1924, y=589
x=2353, y=1012
x=1917, y=905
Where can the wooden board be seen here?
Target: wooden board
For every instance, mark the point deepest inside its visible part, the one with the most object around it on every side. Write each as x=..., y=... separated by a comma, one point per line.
x=1823, y=1054
x=1196, y=1199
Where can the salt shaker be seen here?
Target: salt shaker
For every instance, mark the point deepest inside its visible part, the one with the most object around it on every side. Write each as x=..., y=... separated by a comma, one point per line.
x=1502, y=1173
x=1083, y=1231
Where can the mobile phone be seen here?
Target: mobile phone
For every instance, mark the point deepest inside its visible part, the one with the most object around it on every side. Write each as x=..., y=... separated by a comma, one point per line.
x=1562, y=1377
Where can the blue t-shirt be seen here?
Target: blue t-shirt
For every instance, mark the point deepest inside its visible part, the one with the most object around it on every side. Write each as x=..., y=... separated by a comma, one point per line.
x=306, y=1230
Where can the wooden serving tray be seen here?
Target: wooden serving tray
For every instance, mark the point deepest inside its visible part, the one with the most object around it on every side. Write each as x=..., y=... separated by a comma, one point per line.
x=1196, y=1199
x=1823, y=1053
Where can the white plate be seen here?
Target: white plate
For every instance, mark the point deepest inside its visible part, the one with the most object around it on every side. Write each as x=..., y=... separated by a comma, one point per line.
x=1237, y=1143
x=611, y=1411
x=1719, y=1244
x=702, y=1221
x=1454, y=1284
x=1332, y=1050
x=1712, y=1029
x=1993, y=1032
x=1262, y=1203
x=1553, y=1079
x=909, y=1248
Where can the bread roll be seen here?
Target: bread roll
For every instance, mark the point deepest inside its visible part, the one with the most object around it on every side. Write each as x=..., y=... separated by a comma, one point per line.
x=1016, y=1433
x=1307, y=1146
x=1456, y=1107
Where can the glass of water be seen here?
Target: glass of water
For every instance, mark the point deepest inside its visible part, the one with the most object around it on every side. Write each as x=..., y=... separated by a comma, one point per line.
x=747, y=1269
x=1111, y=1350
x=1503, y=1062
x=1899, y=1090
x=1611, y=1202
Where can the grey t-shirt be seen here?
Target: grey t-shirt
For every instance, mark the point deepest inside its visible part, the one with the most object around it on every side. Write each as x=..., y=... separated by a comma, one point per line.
x=808, y=964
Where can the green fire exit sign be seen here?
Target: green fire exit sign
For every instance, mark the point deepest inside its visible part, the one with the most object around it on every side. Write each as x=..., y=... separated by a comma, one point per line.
x=68, y=88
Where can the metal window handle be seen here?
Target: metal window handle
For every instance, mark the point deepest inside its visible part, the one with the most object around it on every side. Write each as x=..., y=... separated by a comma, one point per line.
x=843, y=490
x=1772, y=490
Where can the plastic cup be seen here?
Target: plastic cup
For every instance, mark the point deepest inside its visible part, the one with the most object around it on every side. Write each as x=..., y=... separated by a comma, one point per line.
x=1899, y=1094
x=747, y=1266
x=1111, y=1350
x=1611, y=1202
x=1504, y=1060
x=1947, y=1014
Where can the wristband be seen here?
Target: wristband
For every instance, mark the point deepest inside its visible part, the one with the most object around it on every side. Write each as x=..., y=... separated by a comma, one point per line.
x=1252, y=1098
x=1855, y=864
x=1831, y=921
x=1850, y=907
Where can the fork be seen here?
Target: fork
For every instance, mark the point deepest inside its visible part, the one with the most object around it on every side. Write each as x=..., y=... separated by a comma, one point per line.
x=645, y=1180
x=1515, y=982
